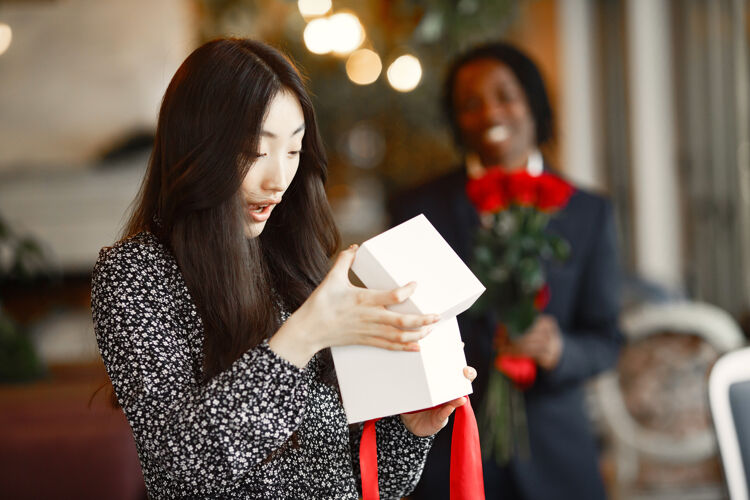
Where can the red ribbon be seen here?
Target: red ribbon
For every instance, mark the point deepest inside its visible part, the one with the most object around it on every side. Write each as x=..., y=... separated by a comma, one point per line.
x=520, y=369
x=368, y=462
x=466, y=477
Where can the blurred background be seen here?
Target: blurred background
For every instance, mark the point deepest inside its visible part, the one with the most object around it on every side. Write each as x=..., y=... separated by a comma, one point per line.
x=652, y=104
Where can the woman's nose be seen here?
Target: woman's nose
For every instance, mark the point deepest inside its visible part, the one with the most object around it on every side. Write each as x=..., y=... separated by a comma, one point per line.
x=276, y=176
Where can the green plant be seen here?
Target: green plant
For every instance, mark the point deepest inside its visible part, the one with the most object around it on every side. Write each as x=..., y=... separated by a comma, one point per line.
x=21, y=258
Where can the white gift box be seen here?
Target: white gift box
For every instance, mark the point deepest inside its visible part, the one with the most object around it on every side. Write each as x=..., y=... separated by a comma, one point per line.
x=377, y=382
x=415, y=251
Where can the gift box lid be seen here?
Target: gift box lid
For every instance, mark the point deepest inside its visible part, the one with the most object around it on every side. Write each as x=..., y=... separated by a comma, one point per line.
x=415, y=251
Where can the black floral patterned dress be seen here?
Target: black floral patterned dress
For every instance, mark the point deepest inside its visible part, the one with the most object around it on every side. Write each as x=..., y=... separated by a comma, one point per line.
x=229, y=437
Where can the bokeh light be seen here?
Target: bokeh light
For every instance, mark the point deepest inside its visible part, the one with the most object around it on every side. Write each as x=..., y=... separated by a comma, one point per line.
x=363, y=66
x=347, y=32
x=6, y=35
x=312, y=8
x=405, y=73
x=318, y=36
x=364, y=145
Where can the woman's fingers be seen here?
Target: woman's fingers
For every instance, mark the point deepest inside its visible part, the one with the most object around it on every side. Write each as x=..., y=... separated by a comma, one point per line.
x=395, y=335
x=359, y=316
x=387, y=297
x=445, y=411
x=384, y=343
x=470, y=373
x=344, y=261
x=392, y=327
x=405, y=321
x=393, y=338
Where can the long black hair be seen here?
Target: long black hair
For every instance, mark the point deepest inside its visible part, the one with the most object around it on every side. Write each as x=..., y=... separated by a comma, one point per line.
x=209, y=124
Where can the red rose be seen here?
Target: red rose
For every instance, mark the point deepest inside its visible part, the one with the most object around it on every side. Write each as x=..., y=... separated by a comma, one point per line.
x=487, y=193
x=541, y=299
x=553, y=192
x=520, y=369
x=522, y=188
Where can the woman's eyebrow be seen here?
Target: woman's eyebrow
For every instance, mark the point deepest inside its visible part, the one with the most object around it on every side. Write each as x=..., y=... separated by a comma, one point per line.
x=266, y=133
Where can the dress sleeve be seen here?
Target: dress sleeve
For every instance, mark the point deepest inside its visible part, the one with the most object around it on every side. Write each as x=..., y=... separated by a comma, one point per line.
x=592, y=344
x=401, y=456
x=205, y=436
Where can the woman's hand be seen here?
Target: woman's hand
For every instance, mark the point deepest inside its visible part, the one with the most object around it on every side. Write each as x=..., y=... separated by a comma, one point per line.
x=338, y=313
x=428, y=422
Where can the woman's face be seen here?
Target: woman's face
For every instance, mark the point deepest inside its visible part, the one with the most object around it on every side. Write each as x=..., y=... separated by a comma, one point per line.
x=276, y=163
x=493, y=113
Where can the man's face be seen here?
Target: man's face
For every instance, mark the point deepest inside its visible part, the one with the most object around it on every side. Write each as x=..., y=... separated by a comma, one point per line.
x=493, y=114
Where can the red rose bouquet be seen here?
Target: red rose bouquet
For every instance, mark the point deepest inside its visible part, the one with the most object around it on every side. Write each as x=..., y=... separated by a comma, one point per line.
x=511, y=247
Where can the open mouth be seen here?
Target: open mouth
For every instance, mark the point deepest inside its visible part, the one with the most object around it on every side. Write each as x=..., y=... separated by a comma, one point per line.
x=257, y=209
x=260, y=212
x=496, y=133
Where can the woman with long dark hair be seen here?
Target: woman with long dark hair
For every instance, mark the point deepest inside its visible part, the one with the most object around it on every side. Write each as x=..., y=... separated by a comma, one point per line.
x=215, y=312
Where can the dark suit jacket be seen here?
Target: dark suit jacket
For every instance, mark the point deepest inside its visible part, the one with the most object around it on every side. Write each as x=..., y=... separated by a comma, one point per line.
x=584, y=300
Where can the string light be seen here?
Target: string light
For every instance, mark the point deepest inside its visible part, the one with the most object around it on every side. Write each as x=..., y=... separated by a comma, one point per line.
x=347, y=32
x=363, y=66
x=342, y=33
x=317, y=36
x=405, y=73
x=312, y=8
x=6, y=36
